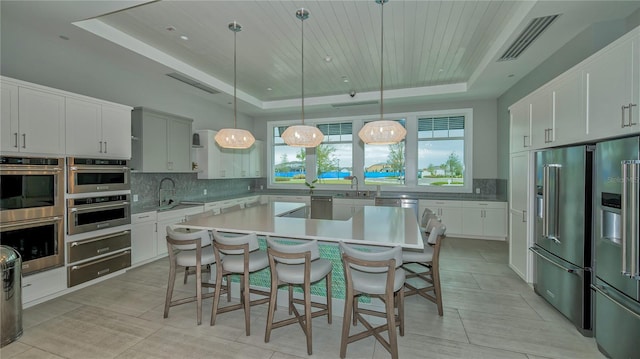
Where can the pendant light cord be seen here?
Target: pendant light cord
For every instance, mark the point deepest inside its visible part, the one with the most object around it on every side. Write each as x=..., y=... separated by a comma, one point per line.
x=235, y=100
x=302, y=70
x=381, y=58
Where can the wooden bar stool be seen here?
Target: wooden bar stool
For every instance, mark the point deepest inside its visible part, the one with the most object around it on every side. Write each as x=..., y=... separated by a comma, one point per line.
x=377, y=274
x=238, y=255
x=297, y=265
x=429, y=260
x=188, y=249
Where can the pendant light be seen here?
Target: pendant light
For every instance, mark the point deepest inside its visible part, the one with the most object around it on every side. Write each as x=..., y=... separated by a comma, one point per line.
x=234, y=137
x=382, y=132
x=302, y=135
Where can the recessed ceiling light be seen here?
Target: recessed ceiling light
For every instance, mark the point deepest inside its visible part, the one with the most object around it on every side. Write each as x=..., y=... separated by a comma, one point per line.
x=345, y=79
x=327, y=58
x=269, y=89
x=184, y=37
x=441, y=70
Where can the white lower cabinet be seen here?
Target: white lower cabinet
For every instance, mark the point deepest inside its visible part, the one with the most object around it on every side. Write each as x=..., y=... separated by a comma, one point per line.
x=143, y=237
x=37, y=287
x=449, y=212
x=299, y=199
x=484, y=219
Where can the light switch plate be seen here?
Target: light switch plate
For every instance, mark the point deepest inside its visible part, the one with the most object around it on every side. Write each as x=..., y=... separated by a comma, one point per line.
x=477, y=190
x=205, y=191
x=135, y=198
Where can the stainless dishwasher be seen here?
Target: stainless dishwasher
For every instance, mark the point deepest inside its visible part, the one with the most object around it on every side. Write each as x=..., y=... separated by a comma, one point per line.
x=403, y=202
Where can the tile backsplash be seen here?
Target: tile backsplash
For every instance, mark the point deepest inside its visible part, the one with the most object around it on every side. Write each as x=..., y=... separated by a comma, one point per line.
x=188, y=187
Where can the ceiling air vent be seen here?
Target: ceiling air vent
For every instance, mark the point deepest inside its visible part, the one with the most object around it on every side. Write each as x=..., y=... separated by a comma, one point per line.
x=349, y=104
x=535, y=28
x=192, y=82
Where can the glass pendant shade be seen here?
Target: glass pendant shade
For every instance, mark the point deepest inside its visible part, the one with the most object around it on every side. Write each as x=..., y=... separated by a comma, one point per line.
x=234, y=137
x=302, y=136
x=382, y=132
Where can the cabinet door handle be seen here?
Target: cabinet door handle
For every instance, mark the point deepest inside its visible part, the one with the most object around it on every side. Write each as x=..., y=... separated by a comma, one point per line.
x=105, y=146
x=524, y=215
x=623, y=123
x=631, y=123
x=524, y=141
x=100, y=150
x=24, y=140
x=15, y=134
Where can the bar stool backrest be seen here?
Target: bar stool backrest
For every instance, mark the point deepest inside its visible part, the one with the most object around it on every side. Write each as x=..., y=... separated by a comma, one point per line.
x=438, y=230
x=393, y=253
x=251, y=239
x=297, y=248
x=180, y=235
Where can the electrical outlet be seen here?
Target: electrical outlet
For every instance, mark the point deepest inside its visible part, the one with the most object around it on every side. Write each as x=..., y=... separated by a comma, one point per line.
x=205, y=191
x=478, y=190
x=248, y=188
x=135, y=198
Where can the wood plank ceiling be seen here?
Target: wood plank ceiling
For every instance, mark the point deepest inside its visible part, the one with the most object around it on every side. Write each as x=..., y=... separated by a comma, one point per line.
x=426, y=42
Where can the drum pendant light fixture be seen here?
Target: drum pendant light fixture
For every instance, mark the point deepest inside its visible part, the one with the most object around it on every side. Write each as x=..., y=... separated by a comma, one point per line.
x=234, y=137
x=382, y=132
x=302, y=135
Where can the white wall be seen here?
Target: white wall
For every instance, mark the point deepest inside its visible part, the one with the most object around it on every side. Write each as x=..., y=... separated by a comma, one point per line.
x=485, y=127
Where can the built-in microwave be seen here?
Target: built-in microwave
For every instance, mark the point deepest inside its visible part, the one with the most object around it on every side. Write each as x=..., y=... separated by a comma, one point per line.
x=31, y=188
x=40, y=242
x=97, y=175
x=93, y=213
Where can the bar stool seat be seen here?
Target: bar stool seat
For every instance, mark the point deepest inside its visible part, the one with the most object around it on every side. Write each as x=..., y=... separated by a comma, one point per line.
x=235, y=262
x=375, y=283
x=300, y=265
x=188, y=249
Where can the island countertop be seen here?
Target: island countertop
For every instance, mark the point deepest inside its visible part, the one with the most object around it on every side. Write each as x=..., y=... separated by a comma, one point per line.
x=369, y=225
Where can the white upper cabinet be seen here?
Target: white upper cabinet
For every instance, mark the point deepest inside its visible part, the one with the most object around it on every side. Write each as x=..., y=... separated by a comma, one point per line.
x=542, y=130
x=162, y=141
x=520, y=114
x=569, y=120
x=217, y=162
x=612, y=89
x=105, y=129
x=32, y=120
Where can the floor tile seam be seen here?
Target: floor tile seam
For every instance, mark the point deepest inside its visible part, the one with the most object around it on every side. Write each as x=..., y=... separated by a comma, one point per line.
x=117, y=314
x=529, y=353
x=18, y=340
x=534, y=309
x=502, y=317
x=54, y=317
x=482, y=291
x=466, y=333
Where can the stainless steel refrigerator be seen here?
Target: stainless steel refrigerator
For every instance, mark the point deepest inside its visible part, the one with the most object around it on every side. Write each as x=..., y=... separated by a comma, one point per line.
x=616, y=286
x=563, y=232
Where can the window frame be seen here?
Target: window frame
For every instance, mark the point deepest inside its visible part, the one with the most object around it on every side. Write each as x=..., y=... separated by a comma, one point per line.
x=411, y=148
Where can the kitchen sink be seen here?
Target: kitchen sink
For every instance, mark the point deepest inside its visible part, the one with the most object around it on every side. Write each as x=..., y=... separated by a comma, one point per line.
x=354, y=194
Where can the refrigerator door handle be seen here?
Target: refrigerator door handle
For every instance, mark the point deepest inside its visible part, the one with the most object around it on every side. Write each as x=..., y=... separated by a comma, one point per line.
x=539, y=254
x=547, y=227
x=603, y=290
x=629, y=210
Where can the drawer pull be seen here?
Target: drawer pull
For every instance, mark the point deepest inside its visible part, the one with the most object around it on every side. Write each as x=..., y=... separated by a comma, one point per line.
x=103, y=250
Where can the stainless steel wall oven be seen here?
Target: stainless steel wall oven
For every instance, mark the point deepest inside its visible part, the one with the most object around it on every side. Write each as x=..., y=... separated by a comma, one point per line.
x=31, y=188
x=97, y=175
x=93, y=213
x=40, y=242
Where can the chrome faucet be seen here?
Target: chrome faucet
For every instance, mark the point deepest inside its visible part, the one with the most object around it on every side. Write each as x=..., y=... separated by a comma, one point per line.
x=354, y=179
x=161, y=201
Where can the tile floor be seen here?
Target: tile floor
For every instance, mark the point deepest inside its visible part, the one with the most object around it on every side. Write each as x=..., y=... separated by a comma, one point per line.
x=489, y=313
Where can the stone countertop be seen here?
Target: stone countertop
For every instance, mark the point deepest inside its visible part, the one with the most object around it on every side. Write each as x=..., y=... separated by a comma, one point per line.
x=369, y=225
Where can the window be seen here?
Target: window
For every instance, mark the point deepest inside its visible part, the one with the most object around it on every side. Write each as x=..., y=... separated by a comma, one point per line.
x=441, y=151
x=289, y=165
x=385, y=165
x=334, y=157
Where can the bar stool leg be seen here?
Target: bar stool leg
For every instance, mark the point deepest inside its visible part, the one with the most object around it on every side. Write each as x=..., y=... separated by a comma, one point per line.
x=199, y=292
x=401, y=310
x=329, y=296
x=273, y=302
x=290, y=288
x=216, y=295
x=391, y=324
x=247, y=302
x=172, y=279
x=346, y=322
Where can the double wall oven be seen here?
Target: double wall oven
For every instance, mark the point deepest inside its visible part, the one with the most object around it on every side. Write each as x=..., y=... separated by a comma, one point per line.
x=32, y=210
x=98, y=201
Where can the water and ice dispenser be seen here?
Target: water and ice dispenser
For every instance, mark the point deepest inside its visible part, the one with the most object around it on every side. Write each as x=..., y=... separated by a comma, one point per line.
x=611, y=229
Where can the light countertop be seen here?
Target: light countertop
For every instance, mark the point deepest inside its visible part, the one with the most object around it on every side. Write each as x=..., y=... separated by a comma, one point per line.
x=369, y=225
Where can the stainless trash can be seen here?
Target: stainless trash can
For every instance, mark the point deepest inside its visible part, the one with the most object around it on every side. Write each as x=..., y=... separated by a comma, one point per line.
x=11, y=301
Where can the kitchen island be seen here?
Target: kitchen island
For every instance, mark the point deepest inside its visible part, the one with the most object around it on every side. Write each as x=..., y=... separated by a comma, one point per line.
x=368, y=225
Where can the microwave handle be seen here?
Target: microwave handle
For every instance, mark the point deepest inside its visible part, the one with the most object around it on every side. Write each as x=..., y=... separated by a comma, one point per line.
x=119, y=204
x=99, y=168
